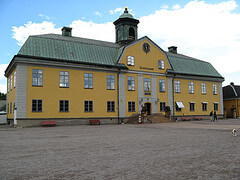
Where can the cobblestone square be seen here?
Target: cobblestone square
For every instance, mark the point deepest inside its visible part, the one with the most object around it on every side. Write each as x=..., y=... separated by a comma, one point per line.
x=181, y=150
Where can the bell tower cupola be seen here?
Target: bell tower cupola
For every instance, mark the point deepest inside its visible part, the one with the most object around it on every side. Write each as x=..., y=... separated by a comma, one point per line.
x=126, y=28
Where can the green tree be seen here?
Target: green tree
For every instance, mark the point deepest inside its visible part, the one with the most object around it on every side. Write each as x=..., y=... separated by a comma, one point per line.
x=3, y=96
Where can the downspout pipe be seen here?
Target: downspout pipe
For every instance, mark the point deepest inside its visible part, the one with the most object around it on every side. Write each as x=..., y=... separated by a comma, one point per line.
x=173, y=85
x=118, y=95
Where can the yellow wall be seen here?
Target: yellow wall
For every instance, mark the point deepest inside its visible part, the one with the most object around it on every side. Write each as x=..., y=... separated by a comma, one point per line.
x=145, y=60
x=51, y=93
x=185, y=97
x=11, y=95
x=229, y=104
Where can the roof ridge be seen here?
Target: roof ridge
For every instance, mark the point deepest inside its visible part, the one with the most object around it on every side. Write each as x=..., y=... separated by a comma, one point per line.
x=77, y=38
x=185, y=57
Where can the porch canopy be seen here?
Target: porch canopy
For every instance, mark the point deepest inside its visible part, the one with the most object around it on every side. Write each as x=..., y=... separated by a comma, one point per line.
x=180, y=104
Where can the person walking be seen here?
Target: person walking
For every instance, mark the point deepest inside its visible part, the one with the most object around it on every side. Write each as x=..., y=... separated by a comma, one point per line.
x=211, y=115
x=215, y=116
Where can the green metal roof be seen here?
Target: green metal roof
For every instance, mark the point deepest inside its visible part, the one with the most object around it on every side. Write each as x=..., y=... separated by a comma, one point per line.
x=186, y=65
x=76, y=49
x=88, y=51
x=126, y=14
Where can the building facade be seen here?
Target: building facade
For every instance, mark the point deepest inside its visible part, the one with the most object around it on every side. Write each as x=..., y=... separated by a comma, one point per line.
x=231, y=100
x=72, y=79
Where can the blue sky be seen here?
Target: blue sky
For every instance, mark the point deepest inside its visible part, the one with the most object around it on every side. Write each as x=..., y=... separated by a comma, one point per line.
x=208, y=30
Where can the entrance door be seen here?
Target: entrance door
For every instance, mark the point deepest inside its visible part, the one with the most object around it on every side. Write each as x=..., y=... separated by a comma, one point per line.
x=148, y=107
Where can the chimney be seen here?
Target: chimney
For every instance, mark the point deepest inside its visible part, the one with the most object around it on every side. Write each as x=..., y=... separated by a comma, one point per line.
x=67, y=31
x=232, y=83
x=172, y=49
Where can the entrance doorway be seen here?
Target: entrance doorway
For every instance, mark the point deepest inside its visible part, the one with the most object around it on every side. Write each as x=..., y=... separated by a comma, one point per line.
x=148, y=107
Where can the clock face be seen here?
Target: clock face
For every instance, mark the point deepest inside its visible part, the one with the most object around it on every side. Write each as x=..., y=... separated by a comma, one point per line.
x=146, y=47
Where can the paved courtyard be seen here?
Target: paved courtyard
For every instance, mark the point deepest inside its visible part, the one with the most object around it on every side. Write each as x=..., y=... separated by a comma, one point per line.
x=182, y=150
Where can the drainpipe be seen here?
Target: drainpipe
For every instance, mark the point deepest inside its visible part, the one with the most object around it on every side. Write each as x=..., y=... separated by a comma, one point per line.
x=173, y=95
x=118, y=95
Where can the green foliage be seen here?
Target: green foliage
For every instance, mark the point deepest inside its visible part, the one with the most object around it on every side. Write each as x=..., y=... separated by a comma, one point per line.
x=3, y=96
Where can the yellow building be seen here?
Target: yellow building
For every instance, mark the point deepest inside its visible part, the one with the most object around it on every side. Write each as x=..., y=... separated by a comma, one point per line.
x=231, y=100
x=72, y=79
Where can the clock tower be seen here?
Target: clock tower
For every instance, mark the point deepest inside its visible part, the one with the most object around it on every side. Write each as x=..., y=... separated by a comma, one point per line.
x=126, y=28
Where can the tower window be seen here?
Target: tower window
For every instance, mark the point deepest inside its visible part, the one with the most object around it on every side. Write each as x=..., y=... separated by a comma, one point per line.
x=131, y=34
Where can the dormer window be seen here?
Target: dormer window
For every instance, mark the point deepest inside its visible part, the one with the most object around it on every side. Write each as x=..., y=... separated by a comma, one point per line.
x=130, y=61
x=160, y=64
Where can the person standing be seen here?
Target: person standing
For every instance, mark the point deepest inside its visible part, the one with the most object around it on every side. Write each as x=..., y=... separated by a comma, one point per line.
x=211, y=115
x=215, y=116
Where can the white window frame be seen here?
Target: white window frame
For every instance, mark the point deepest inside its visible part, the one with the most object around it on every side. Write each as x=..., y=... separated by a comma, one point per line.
x=147, y=84
x=191, y=106
x=8, y=87
x=177, y=86
x=191, y=87
x=215, y=89
x=111, y=82
x=88, y=106
x=131, y=83
x=162, y=84
x=11, y=82
x=204, y=104
x=88, y=80
x=131, y=106
x=63, y=105
x=215, y=104
x=64, y=79
x=39, y=105
x=14, y=80
x=37, y=77
x=162, y=106
x=204, y=89
x=130, y=60
x=110, y=106
x=161, y=64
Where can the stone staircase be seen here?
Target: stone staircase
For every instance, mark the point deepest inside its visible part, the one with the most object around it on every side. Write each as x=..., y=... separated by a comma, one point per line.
x=153, y=118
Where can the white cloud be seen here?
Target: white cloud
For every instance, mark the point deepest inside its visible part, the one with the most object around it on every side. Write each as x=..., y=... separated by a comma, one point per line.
x=199, y=29
x=177, y=6
x=205, y=31
x=165, y=6
x=46, y=17
x=3, y=79
x=98, y=14
x=21, y=33
x=117, y=10
x=104, y=31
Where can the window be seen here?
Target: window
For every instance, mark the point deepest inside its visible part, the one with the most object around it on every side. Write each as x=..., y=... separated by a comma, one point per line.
x=131, y=106
x=8, y=108
x=147, y=84
x=215, y=106
x=131, y=83
x=14, y=105
x=178, y=108
x=204, y=106
x=36, y=105
x=191, y=87
x=88, y=106
x=162, y=85
x=88, y=80
x=110, y=82
x=162, y=106
x=11, y=82
x=63, y=106
x=37, y=77
x=192, y=106
x=214, y=89
x=204, y=91
x=160, y=64
x=177, y=87
x=14, y=81
x=130, y=61
x=8, y=87
x=111, y=106
x=63, y=79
